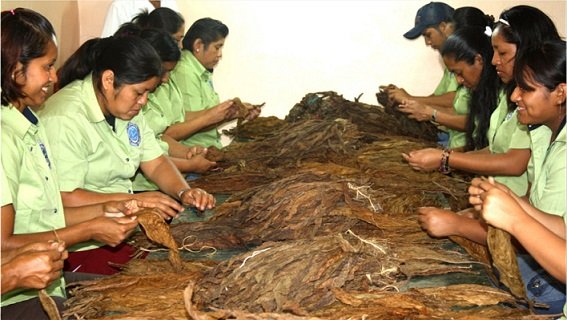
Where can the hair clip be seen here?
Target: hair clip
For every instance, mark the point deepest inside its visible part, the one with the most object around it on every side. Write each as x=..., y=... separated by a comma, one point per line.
x=504, y=22
x=12, y=12
x=488, y=31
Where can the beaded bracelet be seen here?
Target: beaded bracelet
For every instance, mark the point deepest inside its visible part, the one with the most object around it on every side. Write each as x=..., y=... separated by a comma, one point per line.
x=444, y=165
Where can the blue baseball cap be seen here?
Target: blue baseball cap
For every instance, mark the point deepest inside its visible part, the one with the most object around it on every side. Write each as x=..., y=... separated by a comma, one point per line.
x=429, y=15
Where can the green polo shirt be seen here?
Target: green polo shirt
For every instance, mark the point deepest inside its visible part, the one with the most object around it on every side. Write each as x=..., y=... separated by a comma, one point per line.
x=29, y=183
x=163, y=109
x=197, y=91
x=547, y=192
x=91, y=155
x=461, y=105
x=504, y=133
x=448, y=83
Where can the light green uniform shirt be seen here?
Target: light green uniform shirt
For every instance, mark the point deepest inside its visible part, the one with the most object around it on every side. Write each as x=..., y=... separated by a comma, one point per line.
x=461, y=105
x=504, y=133
x=448, y=83
x=29, y=183
x=196, y=86
x=547, y=192
x=90, y=155
x=164, y=108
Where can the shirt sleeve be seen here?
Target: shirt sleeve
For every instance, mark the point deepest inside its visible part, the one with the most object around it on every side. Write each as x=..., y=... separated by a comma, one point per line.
x=150, y=146
x=7, y=189
x=190, y=87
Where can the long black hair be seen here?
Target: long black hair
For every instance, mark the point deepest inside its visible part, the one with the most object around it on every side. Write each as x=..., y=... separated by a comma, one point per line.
x=544, y=64
x=159, y=39
x=525, y=27
x=207, y=29
x=25, y=36
x=132, y=60
x=470, y=17
x=160, y=18
x=464, y=45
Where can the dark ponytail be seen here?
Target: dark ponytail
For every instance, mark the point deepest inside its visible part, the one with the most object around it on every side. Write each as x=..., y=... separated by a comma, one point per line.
x=131, y=59
x=463, y=45
x=164, y=44
x=160, y=18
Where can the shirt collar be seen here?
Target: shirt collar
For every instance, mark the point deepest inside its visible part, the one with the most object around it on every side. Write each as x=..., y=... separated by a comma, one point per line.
x=197, y=66
x=94, y=113
x=18, y=122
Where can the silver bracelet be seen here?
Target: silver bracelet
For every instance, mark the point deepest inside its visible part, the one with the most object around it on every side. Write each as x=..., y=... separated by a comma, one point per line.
x=434, y=115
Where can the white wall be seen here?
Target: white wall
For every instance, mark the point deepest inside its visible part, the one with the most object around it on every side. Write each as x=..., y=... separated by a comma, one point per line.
x=279, y=50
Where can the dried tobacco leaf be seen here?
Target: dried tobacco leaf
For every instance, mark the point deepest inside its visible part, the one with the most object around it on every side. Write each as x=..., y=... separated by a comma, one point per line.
x=49, y=305
x=503, y=257
x=372, y=120
x=158, y=231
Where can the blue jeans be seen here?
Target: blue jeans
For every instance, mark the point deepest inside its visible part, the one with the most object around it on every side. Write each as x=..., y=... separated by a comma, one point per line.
x=540, y=286
x=443, y=139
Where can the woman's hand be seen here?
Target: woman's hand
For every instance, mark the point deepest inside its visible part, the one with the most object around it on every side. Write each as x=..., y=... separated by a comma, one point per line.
x=501, y=210
x=167, y=206
x=112, y=231
x=398, y=95
x=253, y=111
x=200, y=164
x=416, y=110
x=424, y=160
x=438, y=222
x=194, y=151
x=481, y=185
x=222, y=112
x=198, y=198
x=33, y=266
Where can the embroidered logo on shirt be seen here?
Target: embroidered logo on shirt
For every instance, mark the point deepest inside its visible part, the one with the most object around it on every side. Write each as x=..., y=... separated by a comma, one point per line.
x=44, y=151
x=133, y=134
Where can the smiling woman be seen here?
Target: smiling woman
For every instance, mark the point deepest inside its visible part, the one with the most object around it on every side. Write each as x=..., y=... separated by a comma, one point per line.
x=100, y=140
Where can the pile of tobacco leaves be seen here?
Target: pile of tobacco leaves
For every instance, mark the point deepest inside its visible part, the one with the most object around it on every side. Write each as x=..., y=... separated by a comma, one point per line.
x=322, y=209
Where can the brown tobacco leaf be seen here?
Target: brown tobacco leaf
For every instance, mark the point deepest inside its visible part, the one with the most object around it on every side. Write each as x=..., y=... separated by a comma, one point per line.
x=214, y=154
x=504, y=259
x=245, y=108
x=311, y=140
x=372, y=120
x=49, y=305
x=146, y=290
x=261, y=127
x=158, y=231
x=467, y=301
x=293, y=276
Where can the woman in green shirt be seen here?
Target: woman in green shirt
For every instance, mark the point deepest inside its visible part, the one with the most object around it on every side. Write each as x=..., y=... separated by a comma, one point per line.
x=99, y=139
x=164, y=108
x=32, y=210
x=202, y=51
x=537, y=223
